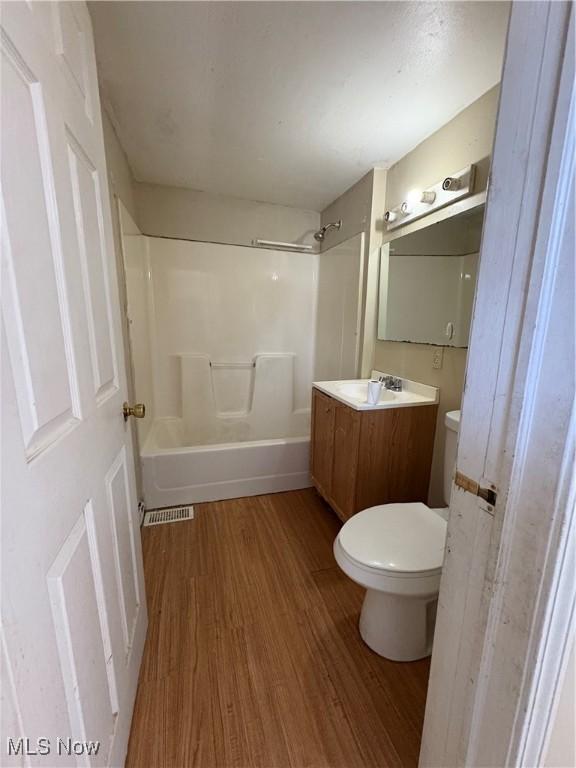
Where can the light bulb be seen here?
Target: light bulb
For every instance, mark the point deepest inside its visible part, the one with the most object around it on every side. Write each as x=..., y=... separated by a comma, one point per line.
x=451, y=184
x=413, y=198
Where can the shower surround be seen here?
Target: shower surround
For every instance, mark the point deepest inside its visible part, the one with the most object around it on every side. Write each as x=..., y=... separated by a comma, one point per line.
x=225, y=342
x=222, y=344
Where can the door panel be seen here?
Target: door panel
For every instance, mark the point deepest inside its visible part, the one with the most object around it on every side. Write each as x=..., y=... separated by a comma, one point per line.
x=120, y=505
x=73, y=607
x=108, y=608
x=85, y=184
x=38, y=323
x=73, y=47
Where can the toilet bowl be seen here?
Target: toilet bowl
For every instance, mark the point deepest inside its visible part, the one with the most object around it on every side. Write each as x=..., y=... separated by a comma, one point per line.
x=396, y=552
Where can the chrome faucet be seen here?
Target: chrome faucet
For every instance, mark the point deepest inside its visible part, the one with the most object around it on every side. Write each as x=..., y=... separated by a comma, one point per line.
x=391, y=382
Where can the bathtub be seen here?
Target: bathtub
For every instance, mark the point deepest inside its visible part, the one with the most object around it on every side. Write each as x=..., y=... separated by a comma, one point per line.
x=175, y=472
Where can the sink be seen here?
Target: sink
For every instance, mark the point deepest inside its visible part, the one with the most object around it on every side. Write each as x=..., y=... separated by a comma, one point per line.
x=358, y=390
x=354, y=393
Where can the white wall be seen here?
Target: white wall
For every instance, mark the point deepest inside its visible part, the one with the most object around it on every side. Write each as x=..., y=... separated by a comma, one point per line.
x=338, y=311
x=189, y=214
x=353, y=207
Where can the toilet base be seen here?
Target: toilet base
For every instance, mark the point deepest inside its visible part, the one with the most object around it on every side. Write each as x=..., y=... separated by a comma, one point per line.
x=399, y=628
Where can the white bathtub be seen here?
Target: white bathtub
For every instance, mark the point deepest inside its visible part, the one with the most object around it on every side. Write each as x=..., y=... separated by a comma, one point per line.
x=175, y=473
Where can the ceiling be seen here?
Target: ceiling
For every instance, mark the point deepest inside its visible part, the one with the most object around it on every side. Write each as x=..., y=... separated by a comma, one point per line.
x=288, y=102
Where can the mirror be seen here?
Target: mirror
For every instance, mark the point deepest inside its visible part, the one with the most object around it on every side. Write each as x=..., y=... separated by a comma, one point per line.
x=427, y=282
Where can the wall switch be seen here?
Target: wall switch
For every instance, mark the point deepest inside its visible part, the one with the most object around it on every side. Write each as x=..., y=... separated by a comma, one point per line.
x=437, y=357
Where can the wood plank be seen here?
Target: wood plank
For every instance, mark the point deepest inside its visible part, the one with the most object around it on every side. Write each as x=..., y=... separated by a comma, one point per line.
x=395, y=455
x=253, y=655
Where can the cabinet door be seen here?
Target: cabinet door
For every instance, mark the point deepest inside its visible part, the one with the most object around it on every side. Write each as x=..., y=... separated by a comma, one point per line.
x=323, y=408
x=395, y=455
x=345, y=466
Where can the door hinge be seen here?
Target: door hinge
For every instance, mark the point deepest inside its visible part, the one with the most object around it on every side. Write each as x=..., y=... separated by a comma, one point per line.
x=488, y=494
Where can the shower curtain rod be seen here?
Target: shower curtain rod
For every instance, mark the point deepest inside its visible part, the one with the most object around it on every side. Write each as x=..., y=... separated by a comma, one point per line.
x=285, y=246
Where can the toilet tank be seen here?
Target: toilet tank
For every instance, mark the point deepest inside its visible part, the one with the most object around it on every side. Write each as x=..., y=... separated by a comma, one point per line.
x=452, y=424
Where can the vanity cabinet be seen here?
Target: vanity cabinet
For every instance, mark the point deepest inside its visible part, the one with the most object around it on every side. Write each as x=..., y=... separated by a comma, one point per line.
x=361, y=458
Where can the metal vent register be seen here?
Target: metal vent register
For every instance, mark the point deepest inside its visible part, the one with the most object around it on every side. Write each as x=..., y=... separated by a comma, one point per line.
x=168, y=515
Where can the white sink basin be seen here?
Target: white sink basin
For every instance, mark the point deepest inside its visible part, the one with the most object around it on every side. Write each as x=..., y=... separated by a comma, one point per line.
x=354, y=393
x=358, y=390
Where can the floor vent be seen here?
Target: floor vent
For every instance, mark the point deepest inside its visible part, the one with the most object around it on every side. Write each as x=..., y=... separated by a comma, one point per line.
x=168, y=515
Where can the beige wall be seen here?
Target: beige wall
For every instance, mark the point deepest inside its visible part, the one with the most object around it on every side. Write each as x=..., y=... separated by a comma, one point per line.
x=189, y=214
x=353, y=207
x=464, y=140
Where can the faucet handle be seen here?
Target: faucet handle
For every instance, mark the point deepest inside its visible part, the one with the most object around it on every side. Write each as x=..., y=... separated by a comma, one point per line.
x=392, y=382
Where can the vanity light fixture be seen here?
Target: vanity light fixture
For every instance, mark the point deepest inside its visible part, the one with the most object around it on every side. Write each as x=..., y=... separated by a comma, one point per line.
x=418, y=203
x=450, y=184
x=413, y=198
x=428, y=197
x=416, y=196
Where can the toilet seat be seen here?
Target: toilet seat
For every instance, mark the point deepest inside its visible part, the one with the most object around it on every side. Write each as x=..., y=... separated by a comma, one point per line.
x=401, y=538
x=395, y=548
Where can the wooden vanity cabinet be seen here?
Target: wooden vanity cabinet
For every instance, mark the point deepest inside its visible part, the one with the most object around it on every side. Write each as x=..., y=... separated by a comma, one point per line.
x=364, y=458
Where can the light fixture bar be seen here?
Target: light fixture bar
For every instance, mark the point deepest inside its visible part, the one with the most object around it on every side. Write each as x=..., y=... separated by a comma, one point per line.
x=419, y=203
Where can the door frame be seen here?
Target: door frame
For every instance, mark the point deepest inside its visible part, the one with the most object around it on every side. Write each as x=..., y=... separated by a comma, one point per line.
x=502, y=641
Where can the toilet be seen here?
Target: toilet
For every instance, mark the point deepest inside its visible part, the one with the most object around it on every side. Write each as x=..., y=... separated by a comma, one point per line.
x=396, y=552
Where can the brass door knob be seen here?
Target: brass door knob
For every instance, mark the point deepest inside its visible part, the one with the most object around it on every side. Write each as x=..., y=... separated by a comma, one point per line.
x=138, y=411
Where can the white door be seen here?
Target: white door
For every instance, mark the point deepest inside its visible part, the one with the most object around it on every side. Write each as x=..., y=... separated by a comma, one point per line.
x=507, y=592
x=73, y=608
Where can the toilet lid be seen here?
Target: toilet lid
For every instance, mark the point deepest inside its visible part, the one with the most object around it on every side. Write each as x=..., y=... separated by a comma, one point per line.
x=405, y=538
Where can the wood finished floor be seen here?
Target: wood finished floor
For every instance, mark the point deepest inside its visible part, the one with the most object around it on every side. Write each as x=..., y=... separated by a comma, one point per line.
x=253, y=657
